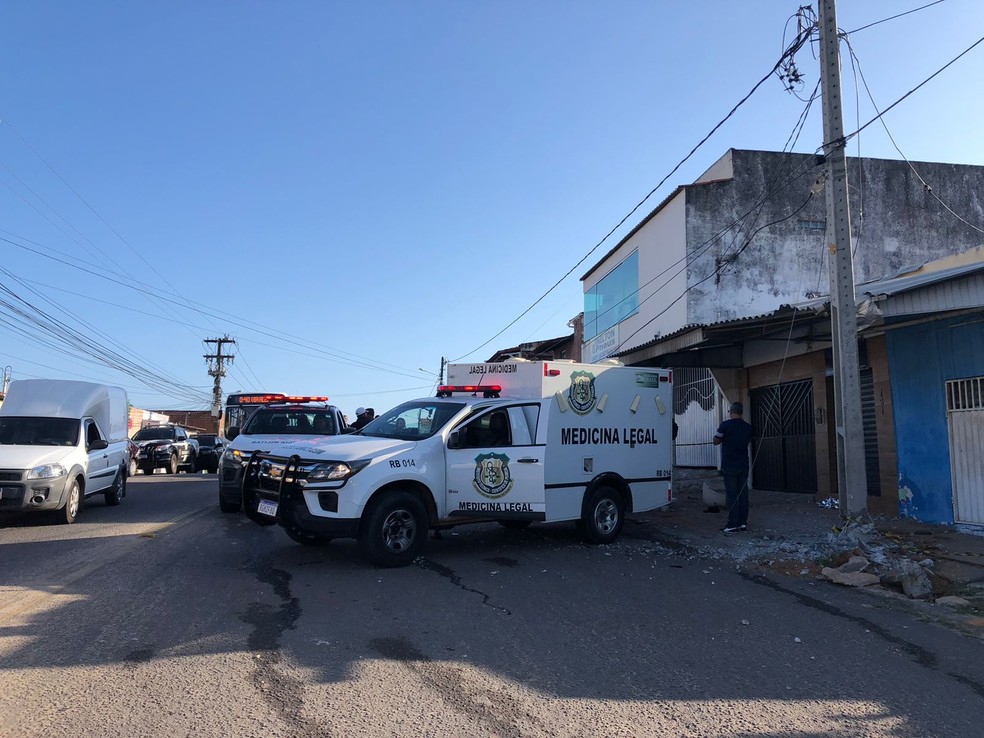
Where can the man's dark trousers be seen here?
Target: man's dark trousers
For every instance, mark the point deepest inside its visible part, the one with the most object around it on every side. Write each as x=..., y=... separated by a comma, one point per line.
x=736, y=491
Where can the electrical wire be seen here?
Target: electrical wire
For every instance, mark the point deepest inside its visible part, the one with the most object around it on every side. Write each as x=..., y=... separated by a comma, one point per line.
x=928, y=188
x=939, y=71
x=885, y=20
x=790, y=51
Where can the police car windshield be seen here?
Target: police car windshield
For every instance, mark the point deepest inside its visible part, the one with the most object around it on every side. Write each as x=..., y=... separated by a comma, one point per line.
x=292, y=421
x=413, y=420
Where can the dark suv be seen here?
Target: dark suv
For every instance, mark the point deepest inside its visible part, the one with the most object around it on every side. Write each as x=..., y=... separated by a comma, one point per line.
x=209, y=450
x=166, y=446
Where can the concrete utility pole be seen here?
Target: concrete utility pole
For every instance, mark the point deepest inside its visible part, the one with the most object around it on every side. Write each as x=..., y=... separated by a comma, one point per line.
x=216, y=368
x=852, y=483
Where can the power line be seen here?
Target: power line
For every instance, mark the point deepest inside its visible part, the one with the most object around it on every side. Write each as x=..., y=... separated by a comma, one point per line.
x=795, y=46
x=849, y=136
x=891, y=138
x=885, y=20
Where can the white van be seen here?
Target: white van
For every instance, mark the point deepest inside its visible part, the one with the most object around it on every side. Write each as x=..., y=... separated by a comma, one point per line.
x=511, y=442
x=60, y=442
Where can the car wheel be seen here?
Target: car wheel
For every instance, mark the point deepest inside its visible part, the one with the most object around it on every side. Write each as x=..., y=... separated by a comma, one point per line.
x=395, y=530
x=172, y=464
x=602, y=515
x=118, y=491
x=73, y=503
x=133, y=468
x=304, y=538
x=515, y=524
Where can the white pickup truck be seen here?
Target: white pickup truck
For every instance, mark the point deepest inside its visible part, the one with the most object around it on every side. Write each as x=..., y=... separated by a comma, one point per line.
x=60, y=442
x=510, y=442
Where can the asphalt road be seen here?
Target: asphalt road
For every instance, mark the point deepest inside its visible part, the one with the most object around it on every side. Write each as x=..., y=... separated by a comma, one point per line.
x=164, y=617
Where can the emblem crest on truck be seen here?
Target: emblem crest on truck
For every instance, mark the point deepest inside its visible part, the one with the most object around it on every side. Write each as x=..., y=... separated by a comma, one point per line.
x=492, y=478
x=581, y=394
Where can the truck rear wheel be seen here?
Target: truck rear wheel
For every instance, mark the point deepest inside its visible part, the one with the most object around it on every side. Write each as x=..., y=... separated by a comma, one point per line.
x=395, y=530
x=602, y=515
x=118, y=491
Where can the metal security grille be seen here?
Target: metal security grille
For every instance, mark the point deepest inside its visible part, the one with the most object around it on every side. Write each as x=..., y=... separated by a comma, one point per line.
x=965, y=416
x=869, y=420
x=784, y=437
x=965, y=394
x=696, y=413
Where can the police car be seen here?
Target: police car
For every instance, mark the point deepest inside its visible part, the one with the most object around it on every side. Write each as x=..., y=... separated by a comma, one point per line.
x=512, y=442
x=294, y=420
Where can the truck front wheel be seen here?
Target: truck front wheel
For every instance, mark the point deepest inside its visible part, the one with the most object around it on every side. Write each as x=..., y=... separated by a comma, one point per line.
x=395, y=530
x=602, y=516
x=172, y=464
x=73, y=502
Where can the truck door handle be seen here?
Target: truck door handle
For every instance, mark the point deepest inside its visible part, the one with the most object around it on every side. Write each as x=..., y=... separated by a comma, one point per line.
x=527, y=460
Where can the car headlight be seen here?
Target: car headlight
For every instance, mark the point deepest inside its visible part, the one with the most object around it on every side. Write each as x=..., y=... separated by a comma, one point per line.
x=232, y=456
x=334, y=471
x=47, y=471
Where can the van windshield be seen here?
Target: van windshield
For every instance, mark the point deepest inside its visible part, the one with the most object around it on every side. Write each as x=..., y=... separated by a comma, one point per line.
x=413, y=420
x=27, y=431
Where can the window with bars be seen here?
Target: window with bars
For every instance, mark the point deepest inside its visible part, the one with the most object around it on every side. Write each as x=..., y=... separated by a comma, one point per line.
x=965, y=394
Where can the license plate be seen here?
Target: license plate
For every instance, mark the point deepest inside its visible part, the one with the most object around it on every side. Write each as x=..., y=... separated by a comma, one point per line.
x=267, y=508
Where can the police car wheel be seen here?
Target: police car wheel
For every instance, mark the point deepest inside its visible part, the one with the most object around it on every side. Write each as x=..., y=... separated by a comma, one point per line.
x=230, y=507
x=602, y=516
x=304, y=538
x=395, y=530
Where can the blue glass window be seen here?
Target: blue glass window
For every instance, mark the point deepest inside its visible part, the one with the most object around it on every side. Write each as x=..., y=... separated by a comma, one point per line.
x=613, y=299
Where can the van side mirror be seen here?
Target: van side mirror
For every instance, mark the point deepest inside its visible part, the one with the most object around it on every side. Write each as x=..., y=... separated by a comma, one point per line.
x=232, y=433
x=98, y=444
x=454, y=439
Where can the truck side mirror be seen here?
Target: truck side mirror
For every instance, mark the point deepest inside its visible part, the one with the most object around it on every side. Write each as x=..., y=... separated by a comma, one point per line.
x=454, y=439
x=232, y=433
x=98, y=444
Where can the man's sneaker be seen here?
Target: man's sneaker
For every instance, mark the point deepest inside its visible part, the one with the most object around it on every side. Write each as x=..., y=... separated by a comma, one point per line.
x=743, y=527
x=730, y=529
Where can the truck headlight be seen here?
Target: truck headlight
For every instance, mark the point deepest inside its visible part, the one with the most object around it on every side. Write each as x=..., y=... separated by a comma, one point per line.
x=47, y=471
x=232, y=456
x=334, y=471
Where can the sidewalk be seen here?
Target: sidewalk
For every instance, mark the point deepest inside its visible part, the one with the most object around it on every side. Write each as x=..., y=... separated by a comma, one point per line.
x=790, y=534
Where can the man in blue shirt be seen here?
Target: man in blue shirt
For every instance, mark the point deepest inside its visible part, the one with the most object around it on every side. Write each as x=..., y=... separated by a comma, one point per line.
x=733, y=436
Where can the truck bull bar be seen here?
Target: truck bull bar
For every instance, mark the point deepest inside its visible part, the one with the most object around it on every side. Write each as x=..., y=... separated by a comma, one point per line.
x=287, y=492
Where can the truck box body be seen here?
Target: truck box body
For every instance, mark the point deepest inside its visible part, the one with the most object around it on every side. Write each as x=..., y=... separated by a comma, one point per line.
x=51, y=398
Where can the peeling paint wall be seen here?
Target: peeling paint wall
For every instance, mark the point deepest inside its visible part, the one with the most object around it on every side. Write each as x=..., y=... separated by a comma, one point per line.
x=921, y=359
x=757, y=241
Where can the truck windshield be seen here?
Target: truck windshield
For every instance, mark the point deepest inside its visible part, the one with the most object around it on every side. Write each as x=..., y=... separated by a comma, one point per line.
x=413, y=420
x=154, y=434
x=27, y=431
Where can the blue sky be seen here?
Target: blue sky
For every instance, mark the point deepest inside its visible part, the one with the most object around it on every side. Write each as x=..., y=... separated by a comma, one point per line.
x=353, y=190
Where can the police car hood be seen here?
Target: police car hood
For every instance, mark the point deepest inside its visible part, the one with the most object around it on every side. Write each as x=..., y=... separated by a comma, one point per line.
x=345, y=448
x=273, y=443
x=28, y=457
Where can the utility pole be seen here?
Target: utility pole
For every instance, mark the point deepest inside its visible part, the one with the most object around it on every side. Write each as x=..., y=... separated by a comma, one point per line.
x=851, y=477
x=216, y=368
x=440, y=376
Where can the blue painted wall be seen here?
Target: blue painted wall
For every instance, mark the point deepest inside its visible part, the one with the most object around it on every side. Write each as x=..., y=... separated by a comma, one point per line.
x=921, y=358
